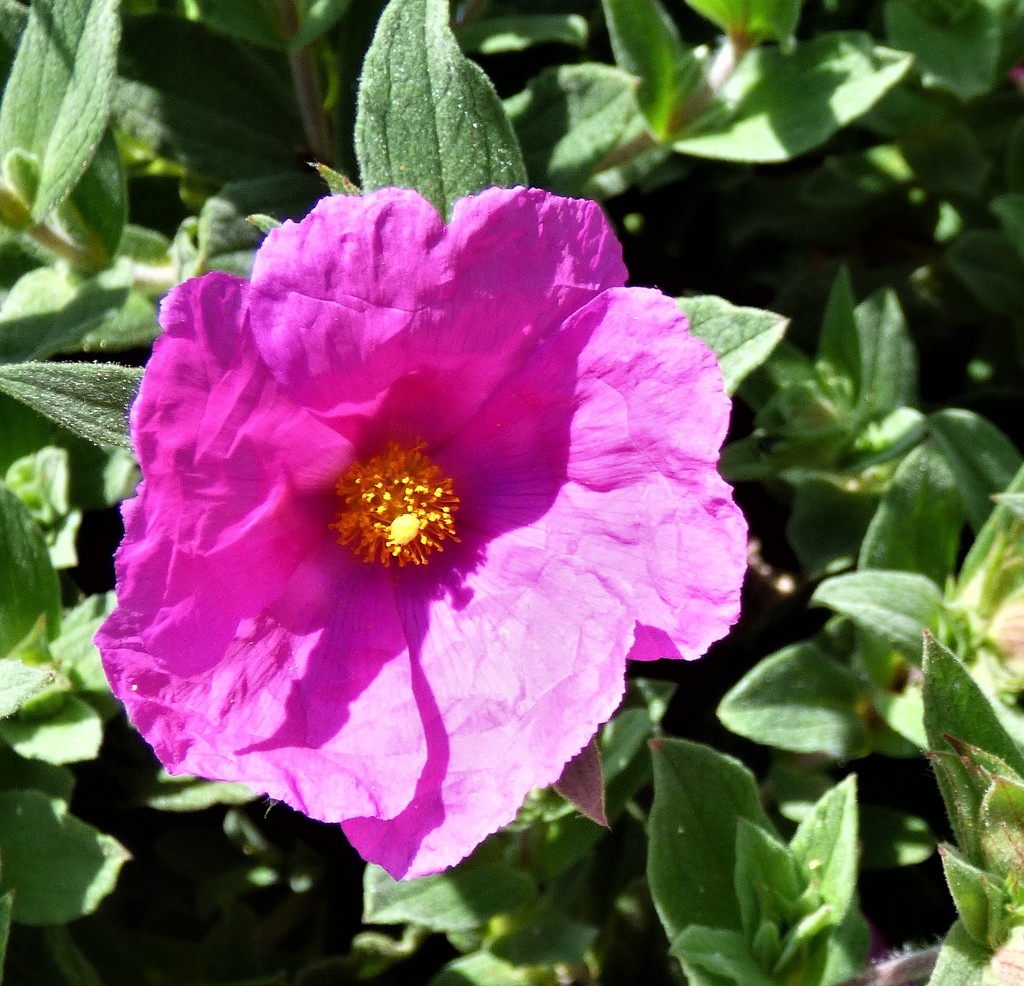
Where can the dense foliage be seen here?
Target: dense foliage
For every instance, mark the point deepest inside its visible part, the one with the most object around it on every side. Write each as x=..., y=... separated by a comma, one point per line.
x=834, y=190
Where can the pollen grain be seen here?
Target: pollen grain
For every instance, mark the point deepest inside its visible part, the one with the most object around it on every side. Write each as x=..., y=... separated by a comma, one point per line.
x=396, y=507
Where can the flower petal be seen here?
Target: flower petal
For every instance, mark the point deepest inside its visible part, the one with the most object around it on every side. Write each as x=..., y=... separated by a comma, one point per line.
x=514, y=680
x=372, y=293
x=247, y=644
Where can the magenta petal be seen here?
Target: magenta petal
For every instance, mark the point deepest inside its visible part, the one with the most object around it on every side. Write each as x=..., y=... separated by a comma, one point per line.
x=373, y=293
x=211, y=650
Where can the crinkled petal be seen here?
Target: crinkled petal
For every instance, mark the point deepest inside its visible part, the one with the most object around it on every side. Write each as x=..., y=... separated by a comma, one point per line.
x=643, y=486
x=515, y=676
x=372, y=312
x=247, y=644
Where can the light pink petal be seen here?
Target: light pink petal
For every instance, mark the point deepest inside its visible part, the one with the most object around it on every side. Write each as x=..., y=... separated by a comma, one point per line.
x=607, y=441
x=516, y=674
x=373, y=313
x=651, y=417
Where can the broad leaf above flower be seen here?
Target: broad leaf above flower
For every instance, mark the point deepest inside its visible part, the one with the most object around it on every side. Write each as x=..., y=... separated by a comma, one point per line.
x=411, y=497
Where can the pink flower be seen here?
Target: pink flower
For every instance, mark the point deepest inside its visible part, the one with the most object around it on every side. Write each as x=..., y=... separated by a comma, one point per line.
x=412, y=496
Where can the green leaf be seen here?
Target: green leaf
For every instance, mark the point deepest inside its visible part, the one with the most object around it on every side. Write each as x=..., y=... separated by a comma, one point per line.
x=70, y=735
x=699, y=795
x=427, y=117
x=992, y=570
x=28, y=583
x=956, y=52
x=839, y=344
x=825, y=847
x=225, y=236
x=717, y=956
x=767, y=882
x=647, y=45
x=77, y=656
x=12, y=23
x=963, y=776
x=758, y=20
x=183, y=793
x=57, y=97
x=482, y=969
x=1001, y=826
x=887, y=371
x=742, y=338
x=798, y=699
x=258, y=21
x=19, y=682
x=94, y=214
x=918, y=522
x=547, y=938
x=776, y=107
x=18, y=773
x=59, y=867
x=517, y=32
x=460, y=899
x=219, y=108
x=895, y=606
x=569, y=121
x=976, y=895
x=6, y=909
x=962, y=961
x=49, y=310
x=320, y=17
x=827, y=521
x=90, y=399
x=990, y=269
x=954, y=704
x=1014, y=503
x=982, y=458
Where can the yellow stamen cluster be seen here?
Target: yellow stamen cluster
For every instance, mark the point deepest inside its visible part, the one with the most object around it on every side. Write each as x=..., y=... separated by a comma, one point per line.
x=397, y=507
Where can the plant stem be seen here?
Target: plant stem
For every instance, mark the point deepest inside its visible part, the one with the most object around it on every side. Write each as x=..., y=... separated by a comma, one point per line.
x=306, y=80
x=734, y=47
x=49, y=239
x=912, y=967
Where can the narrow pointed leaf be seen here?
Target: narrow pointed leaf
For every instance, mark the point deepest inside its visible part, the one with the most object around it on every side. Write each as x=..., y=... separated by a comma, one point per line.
x=954, y=704
x=90, y=399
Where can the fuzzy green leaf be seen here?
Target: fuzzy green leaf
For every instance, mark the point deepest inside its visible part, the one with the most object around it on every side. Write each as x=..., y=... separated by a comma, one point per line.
x=798, y=699
x=427, y=117
x=57, y=98
x=28, y=583
x=457, y=900
x=90, y=399
x=742, y=338
x=699, y=795
x=59, y=867
x=982, y=458
x=955, y=705
x=776, y=107
x=895, y=606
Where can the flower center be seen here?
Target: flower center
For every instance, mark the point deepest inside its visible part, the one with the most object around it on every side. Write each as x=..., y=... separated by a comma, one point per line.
x=397, y=505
